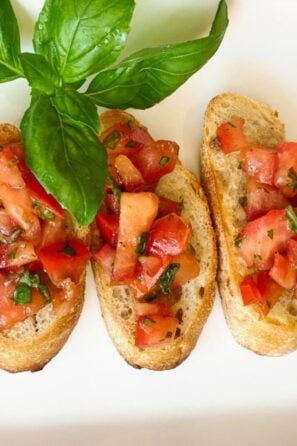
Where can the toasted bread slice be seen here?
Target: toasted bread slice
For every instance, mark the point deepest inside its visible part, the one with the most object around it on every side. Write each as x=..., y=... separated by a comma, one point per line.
x=117, y=303
x=30, y=344
x=224, y=183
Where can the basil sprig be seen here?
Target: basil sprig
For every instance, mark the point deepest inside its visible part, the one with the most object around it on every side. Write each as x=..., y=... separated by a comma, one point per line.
x=22, y=294
x=73, y=40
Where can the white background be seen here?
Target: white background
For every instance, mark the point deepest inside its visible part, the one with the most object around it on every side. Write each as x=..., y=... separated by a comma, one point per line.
x=222, y=394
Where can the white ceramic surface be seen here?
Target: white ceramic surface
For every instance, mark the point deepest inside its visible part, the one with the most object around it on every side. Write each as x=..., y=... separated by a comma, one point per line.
x=222, y=394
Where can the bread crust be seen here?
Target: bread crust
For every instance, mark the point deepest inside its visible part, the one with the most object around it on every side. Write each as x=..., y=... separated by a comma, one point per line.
x=18, y=354
x=197, y=296
x=277, y=333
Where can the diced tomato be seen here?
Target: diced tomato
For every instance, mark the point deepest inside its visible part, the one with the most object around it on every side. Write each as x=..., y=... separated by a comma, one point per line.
x=7, y=225
x=169, y=236
x=146, y=309
x=138, y=211
x=10, y=312
x=262, y=237
x=155, y=330
x=16, y=254
x=156, y=159
x=64, y=260
x=231, y=135
x=167, y=206
x=282, y=272
x=130, y=177
x=10, y=172
x=286, y=172
x=292, y=253
x=189, y=268
x=270, y=290
x=108, y=225
x=53, y=231
x=261, y=164
x=150, y=264
x=250, y=292
x=105, y=256
x=261, y=198
x=112, y=204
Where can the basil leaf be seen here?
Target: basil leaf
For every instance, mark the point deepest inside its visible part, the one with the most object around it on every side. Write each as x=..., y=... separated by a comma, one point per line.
x=39, y=73
x=167, y=277
x=10, y=67
x=66, y=157
x=81, y=37
x=77, y=108
x=148, y=76
x=292, y=217
x=22, y=294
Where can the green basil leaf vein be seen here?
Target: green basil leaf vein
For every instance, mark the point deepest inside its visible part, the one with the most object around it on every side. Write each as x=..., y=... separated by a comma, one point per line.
x=10, y=47
x=149, y=75
x=39, y=73
x=67, y=158
x=81, y=37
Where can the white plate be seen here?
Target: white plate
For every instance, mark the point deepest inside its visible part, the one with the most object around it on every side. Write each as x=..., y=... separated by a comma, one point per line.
x=222, y=394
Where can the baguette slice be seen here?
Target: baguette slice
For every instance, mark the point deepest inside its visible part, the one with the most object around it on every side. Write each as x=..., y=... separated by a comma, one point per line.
x=117, y=303
x=31, y=344
x=224, y=183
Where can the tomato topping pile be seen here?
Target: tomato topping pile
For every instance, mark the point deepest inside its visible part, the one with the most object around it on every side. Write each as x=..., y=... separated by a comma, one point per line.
x=145, y=240
x=268, y=241
x=38, y=257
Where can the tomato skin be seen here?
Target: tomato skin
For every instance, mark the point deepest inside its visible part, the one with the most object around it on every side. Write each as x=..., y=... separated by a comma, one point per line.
x=154, y=330
x=128, y=176
x=261, y=164
x=60, y=265
x=189, y=268
x=16, y=254
x=169, y=236
x=138, y=211
x=286, y=162
x=262, y=198
x=249, y=291
x=105, y=257
x=167, y=206
x=156, y=159
x=53, y=231
x=292, y=253
x=257, y=246
x=108, y=226
x=282, y=272
x=231, y=136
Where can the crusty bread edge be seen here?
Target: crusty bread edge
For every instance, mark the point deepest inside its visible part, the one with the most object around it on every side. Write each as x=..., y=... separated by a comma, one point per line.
x=265, y=337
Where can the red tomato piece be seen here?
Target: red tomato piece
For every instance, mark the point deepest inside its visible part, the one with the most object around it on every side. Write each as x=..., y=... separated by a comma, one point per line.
x=282, y=272
x=105, y=256
x=129, y=176
x=292, y=253
x=155, y=330
x=108, y=226
x=169, y=236
x=112, y=204
x=64, y=260
x=270, y=290
x=16, y=254
x=250, y=292
x=261, y=198
x=138, y=211
x=150, y=264
x=146, y=309
x=189, y=268
x=261, y=164
x=262, y=237
x=231, y=135
x=156, y=159
x=167, y=206
x=286, y=172
x=53, y=231
x=7, y=225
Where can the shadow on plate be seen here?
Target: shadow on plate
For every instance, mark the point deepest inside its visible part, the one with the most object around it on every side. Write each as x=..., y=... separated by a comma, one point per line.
x=257, y=429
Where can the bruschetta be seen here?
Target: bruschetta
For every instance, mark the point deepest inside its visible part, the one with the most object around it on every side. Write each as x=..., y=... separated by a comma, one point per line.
x=43, y=256
x=154, y=252
x=249, y=173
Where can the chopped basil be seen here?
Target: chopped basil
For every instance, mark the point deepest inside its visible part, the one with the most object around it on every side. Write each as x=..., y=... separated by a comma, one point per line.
x=239, y=165
x=164, y=160
x=115, y=190
x=12, y=237
x=231, y=125
x=69, y=250
x=142, y=243
x=130, y=124
x=22, y=294
x=167, y=277
x=292, y=217
x=148, y=321
x=169, y=334
x=270, y=233
x=45, y=292
x=43, y=212
x=112, y=140
x=292, y=175
x=243, y=201
x=131, y=144
x=238, y=241
x=12, y=255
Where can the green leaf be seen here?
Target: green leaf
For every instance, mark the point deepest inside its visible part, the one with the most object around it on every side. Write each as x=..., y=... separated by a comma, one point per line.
x=39, y=73
x=167, y=277
x=292, y=217
x=81, y=37
x=66, y=157
x=77, y=108
x=10, y=67
x=149, y=75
